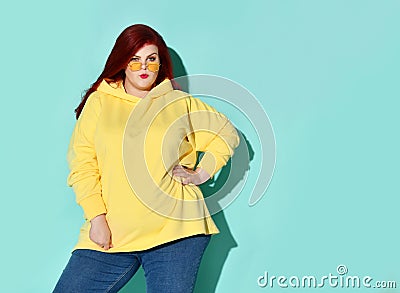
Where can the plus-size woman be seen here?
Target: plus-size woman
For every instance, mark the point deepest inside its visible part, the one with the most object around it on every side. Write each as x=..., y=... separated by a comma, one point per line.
x=132, y=159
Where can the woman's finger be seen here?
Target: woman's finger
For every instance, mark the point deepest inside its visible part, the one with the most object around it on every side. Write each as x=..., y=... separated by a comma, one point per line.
x=187, y=181
x=181, y=173
x=180, y=166
x=182, y=179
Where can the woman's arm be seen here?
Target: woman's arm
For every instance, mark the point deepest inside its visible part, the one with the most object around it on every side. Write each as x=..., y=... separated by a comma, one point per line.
x=214, y=135
x=84, y=174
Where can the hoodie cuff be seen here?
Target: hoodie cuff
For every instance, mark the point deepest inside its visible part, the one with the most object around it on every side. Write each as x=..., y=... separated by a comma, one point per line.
x=210, y=164
x=93, y=206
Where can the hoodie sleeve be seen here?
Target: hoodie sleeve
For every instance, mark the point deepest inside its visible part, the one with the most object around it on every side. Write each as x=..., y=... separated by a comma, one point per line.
x=214, y=135
x=84, y=174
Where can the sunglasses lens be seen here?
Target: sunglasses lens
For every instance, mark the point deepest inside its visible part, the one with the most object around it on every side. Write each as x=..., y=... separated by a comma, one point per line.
x=135, y=66
x=153, y=66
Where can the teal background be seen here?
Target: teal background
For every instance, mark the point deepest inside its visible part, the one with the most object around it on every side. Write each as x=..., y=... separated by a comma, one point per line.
x=326, y=72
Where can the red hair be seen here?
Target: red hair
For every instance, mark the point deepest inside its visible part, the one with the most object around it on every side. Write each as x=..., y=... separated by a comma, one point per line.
x=127, y=44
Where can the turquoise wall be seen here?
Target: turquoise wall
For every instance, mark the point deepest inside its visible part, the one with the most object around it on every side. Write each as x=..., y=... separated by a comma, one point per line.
x=327, y=74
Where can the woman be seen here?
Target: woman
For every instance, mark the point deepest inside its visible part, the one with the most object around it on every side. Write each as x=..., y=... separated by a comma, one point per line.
x=132, y=158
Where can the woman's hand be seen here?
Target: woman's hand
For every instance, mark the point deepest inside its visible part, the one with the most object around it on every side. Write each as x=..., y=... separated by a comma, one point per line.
x=100, y=233
x=188, y=176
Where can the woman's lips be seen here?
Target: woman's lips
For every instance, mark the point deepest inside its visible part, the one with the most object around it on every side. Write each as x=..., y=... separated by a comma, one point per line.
x=144, y=76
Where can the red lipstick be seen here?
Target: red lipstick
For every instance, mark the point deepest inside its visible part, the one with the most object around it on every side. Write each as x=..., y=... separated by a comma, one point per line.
x=144, y=76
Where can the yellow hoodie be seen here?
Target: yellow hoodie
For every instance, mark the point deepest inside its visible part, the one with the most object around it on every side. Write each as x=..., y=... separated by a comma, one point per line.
x=121, y=155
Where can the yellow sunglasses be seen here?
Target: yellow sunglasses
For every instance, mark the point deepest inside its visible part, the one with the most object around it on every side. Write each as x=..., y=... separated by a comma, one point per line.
x=136, y=65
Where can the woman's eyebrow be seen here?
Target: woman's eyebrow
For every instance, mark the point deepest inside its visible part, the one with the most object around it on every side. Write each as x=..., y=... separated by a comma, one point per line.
x=147, y=56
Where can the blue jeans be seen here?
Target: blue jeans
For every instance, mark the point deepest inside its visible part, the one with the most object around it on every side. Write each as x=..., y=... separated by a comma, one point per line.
x=168, y=268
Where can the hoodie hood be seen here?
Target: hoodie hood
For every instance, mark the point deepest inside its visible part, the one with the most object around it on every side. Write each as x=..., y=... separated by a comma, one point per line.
x=117, y=89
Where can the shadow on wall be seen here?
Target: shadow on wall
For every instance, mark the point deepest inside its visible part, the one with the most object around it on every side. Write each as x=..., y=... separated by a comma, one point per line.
x=220, y=245
x=177, y=64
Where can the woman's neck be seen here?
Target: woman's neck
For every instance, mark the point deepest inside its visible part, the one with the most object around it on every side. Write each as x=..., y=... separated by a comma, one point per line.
x=129, y=89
